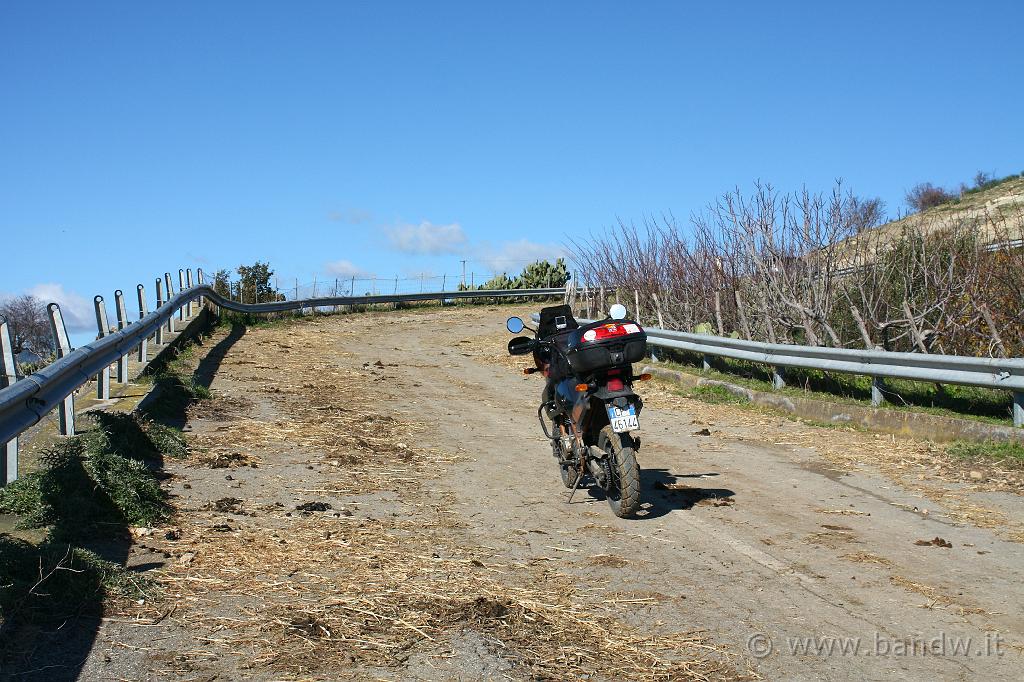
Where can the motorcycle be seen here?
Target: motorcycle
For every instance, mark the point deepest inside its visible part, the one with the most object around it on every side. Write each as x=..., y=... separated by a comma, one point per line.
x=588, y=398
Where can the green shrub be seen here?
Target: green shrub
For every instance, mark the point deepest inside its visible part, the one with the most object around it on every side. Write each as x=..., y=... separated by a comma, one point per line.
x=1007, y=453
x=56, y=581
x=94, y=483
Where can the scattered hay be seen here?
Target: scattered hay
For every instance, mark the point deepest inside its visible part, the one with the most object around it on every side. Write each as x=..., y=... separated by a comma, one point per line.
x=378, y=593
x=934, y=596
x=229, y=460
x=601, y=529
x=493, y=349
x=868, y=558
x=313, y=507
x=333, y=596
x=843, y=512
x=221, y=408
x=833, y=539
x=226, y=505
x=608, y=560
x=935, y=542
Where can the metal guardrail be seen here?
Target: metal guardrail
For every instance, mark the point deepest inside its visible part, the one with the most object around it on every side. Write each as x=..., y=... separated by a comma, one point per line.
x=993, y=373
x=25, y=401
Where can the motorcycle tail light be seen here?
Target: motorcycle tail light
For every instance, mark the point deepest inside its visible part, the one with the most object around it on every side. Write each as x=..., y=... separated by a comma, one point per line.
x=610, y=331
x=615, y=385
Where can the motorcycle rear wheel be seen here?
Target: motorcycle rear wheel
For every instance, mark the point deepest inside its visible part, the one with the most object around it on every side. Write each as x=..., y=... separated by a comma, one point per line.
x=623, y=490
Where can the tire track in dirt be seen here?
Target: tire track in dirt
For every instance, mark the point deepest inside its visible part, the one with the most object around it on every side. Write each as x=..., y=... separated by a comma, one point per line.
x=749, y=530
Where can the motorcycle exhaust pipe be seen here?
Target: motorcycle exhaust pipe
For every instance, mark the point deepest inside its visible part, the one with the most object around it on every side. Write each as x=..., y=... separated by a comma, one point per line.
x=594, y=463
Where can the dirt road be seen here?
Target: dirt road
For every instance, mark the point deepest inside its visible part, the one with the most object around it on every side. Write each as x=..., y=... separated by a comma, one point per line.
x=768, y=548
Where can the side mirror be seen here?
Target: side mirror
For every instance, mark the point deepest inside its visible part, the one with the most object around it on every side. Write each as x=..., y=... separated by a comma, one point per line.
x=617, y=312
x=521, y=345
x=514, y=325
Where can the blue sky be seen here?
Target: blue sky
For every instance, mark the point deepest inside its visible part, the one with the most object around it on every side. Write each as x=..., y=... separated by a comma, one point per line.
x=333, y=138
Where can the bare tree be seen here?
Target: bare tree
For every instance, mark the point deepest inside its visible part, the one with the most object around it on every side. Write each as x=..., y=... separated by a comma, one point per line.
x=808, y=268
x=926, y=195
x=30, y=328
x=863, y=213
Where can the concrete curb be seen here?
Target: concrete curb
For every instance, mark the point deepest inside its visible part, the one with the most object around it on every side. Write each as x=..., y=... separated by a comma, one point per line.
x=917, y=425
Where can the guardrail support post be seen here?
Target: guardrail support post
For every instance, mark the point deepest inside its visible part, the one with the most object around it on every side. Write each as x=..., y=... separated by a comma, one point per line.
x=181, y=287
x=103, y=378
x=66, y=409
x=143, y=311
x=159, y=340
x=778, y=377
x=1018, y=409
x=877, y=391
x=170, y=295
x=8, y=375
x=188, y=281
x=122, y=322
x=200, y=280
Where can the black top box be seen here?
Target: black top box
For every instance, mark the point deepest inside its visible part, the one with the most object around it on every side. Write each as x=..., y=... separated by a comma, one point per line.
x=605, y=344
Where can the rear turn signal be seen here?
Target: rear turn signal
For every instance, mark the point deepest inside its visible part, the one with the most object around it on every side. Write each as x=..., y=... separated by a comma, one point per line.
x=644, y=377
x=582, y=388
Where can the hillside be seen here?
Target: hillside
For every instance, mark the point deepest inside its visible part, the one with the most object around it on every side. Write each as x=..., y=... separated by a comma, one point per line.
x=997, y=211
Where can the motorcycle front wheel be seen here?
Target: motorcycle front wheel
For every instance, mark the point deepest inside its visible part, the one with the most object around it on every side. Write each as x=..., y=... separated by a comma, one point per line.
x=623, y=473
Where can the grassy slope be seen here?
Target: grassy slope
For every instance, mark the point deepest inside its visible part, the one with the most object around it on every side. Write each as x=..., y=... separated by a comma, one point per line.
x=967, y=402
x=1000, y=199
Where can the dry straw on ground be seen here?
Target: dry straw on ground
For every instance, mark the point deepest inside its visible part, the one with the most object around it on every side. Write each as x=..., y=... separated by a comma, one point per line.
x=332, y=593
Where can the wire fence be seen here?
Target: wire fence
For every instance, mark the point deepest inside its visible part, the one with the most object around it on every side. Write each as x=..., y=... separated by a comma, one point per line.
x=369, y=286
x=293, y=289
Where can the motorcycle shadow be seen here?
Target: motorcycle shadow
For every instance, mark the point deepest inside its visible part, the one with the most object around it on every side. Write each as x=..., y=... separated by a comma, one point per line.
x=661, y=493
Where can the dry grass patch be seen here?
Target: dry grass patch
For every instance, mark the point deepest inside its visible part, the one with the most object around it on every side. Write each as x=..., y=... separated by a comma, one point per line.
x=329, y=594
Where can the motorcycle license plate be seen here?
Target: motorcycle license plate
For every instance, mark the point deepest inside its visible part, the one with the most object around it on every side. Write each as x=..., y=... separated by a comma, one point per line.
x=623, y=420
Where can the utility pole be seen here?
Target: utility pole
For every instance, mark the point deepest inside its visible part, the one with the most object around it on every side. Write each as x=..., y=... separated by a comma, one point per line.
x=463, y=274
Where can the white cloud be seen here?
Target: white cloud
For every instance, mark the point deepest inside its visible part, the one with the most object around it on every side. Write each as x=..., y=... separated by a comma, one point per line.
x=427, y=238
x=79, y=314
x=512, y=257
x=345, y=268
